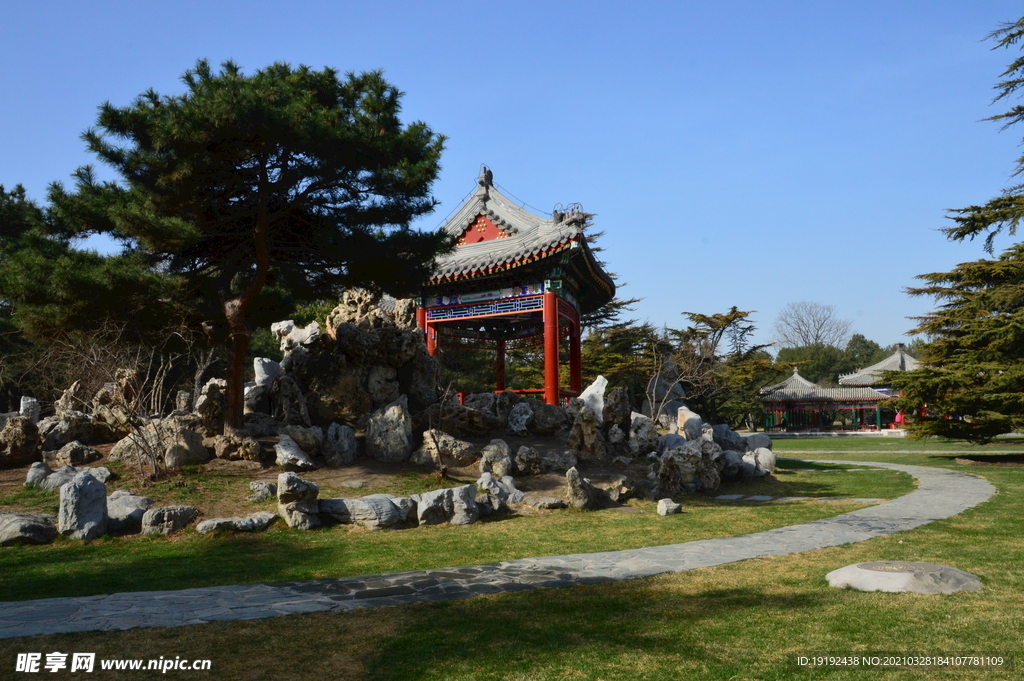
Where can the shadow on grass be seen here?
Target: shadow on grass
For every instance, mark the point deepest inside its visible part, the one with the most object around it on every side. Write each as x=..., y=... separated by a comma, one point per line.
x=577, y=628
x=144, y=564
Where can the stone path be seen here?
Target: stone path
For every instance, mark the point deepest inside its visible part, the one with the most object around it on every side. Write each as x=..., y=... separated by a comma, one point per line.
x=940, y=494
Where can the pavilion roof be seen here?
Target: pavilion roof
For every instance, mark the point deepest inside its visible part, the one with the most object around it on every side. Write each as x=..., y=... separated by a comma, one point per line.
x=529, y=238
x=796, y=388
x=872, y=375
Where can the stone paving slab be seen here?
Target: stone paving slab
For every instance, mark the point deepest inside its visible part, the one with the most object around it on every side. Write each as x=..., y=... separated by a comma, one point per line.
x=940, y=494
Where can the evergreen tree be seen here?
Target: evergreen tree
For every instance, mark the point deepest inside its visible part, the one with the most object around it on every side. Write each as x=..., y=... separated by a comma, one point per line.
x=972, y=383
x=290, y=179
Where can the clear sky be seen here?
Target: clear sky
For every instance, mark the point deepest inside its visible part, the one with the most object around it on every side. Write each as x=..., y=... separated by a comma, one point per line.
x=736, y=153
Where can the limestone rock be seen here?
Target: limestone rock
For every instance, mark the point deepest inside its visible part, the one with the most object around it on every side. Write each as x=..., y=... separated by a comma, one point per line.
x=73, y=453
x=389, y=432
x=669, y=507
x=452, y=451
x=19, y=441
x=290, y=336
x=619, y=489
x=586, y=438
x=291, y=457
x=310, y=440
x=547, y=419
x=69, y=400
x=895, y=576
x=260, y=425
x=375, y=512
x=504, y=403
x=481, y=401
x=617, y=411
x=555, y=461
x=256, y=399
x=287, y=403
x=167, y=520
x=519, y=418
x=168, y=441
x=125, y=511
x=235, y=448
x=455, y=505
x=726, y=438
x=266, y=370
x=340, y=446
x=183, y=401
x=579, y=492
x=496, y=458
x=26, y=528
x=83, y=508
x=40, y=476
x=757, y=441
x=30, y=408
x=499, y=493
x=360, y=307
x=528, y=461
x=261, y=491
x=765, y=459
x=730, y=465
x=671, y=441
x=297, y=501
x=593, y=397
x=689, y=423
x=689, y=468
x=643, y=436
x=254, y=522
x=108, y=406
x=212, y=404
x=547, y=502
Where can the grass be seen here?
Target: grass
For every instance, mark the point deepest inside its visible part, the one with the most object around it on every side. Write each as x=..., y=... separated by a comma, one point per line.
x=748, y=620
x=137, y=563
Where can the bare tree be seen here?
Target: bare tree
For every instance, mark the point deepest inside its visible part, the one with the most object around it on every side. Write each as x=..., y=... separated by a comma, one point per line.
x=802, y=324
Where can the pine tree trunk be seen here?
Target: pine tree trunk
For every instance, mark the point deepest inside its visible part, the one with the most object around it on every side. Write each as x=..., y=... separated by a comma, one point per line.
x=233, y=421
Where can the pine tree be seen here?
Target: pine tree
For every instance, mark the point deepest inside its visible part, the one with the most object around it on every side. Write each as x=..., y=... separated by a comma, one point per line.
x=972, y=383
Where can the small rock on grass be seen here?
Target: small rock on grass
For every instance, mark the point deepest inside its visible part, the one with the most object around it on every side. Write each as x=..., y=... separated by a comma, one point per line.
x=669, y=507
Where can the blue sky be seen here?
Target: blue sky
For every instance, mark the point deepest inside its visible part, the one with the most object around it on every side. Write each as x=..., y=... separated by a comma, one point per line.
x=736, y=153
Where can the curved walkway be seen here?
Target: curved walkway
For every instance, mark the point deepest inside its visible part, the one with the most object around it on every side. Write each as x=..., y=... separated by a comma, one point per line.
x=941, y=493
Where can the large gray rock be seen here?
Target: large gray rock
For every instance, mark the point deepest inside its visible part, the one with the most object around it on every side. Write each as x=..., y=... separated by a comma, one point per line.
x=455, y=505
x=297, y=501
x=19, y=441
x=254, y=522
x=260, y=425
x=593, y=397
x=287, y=403
x=691, y=467
x=548, y=419
x=730, y=465
x=169, y=442
x=496, y=458
x=256, y=399
x=519, y=418
x=108, y=406
x=450, y=450
x=375, y=512
x=481, y=401
x=37, y=473
x=726, y=438
x=458, y=420
x=72, y=454
x=261, y=491
x=26, y=528
x=235, y=448
x=765, y=459
x=266, y=370
x=56, y=431
x=125, y=511
x=291, y=457
x=83, y=508
x=212, y=404
x=340, y=446
x=579, y=492
x=500, y=492
x=900, y=576
x=167, y=520
x=389, y=432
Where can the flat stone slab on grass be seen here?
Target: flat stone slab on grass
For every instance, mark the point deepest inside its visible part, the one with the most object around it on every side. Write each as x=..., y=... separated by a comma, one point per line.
x=759, y=497
x=895, y=576
x=729, y=497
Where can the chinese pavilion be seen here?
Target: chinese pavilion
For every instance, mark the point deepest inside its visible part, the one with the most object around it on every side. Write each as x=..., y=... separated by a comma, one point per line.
x=514, y=280
x=872, y=376
x=798, y=404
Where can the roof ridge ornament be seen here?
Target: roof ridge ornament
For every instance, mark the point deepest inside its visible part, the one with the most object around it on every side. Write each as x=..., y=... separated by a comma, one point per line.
x=486, y=180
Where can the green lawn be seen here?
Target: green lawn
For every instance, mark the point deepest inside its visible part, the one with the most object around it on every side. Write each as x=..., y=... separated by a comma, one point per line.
x=748, y=620
x=894, y=444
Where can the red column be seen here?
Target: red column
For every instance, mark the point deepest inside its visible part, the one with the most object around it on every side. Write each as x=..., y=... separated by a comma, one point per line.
x=421, y=317
x=550, y=348
x=499, y=368
x=575, y=365
x=431, y=339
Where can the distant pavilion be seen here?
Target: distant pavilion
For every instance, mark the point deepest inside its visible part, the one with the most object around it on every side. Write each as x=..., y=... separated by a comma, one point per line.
x=872, y=376
x=798, y=404
x=514, y=280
